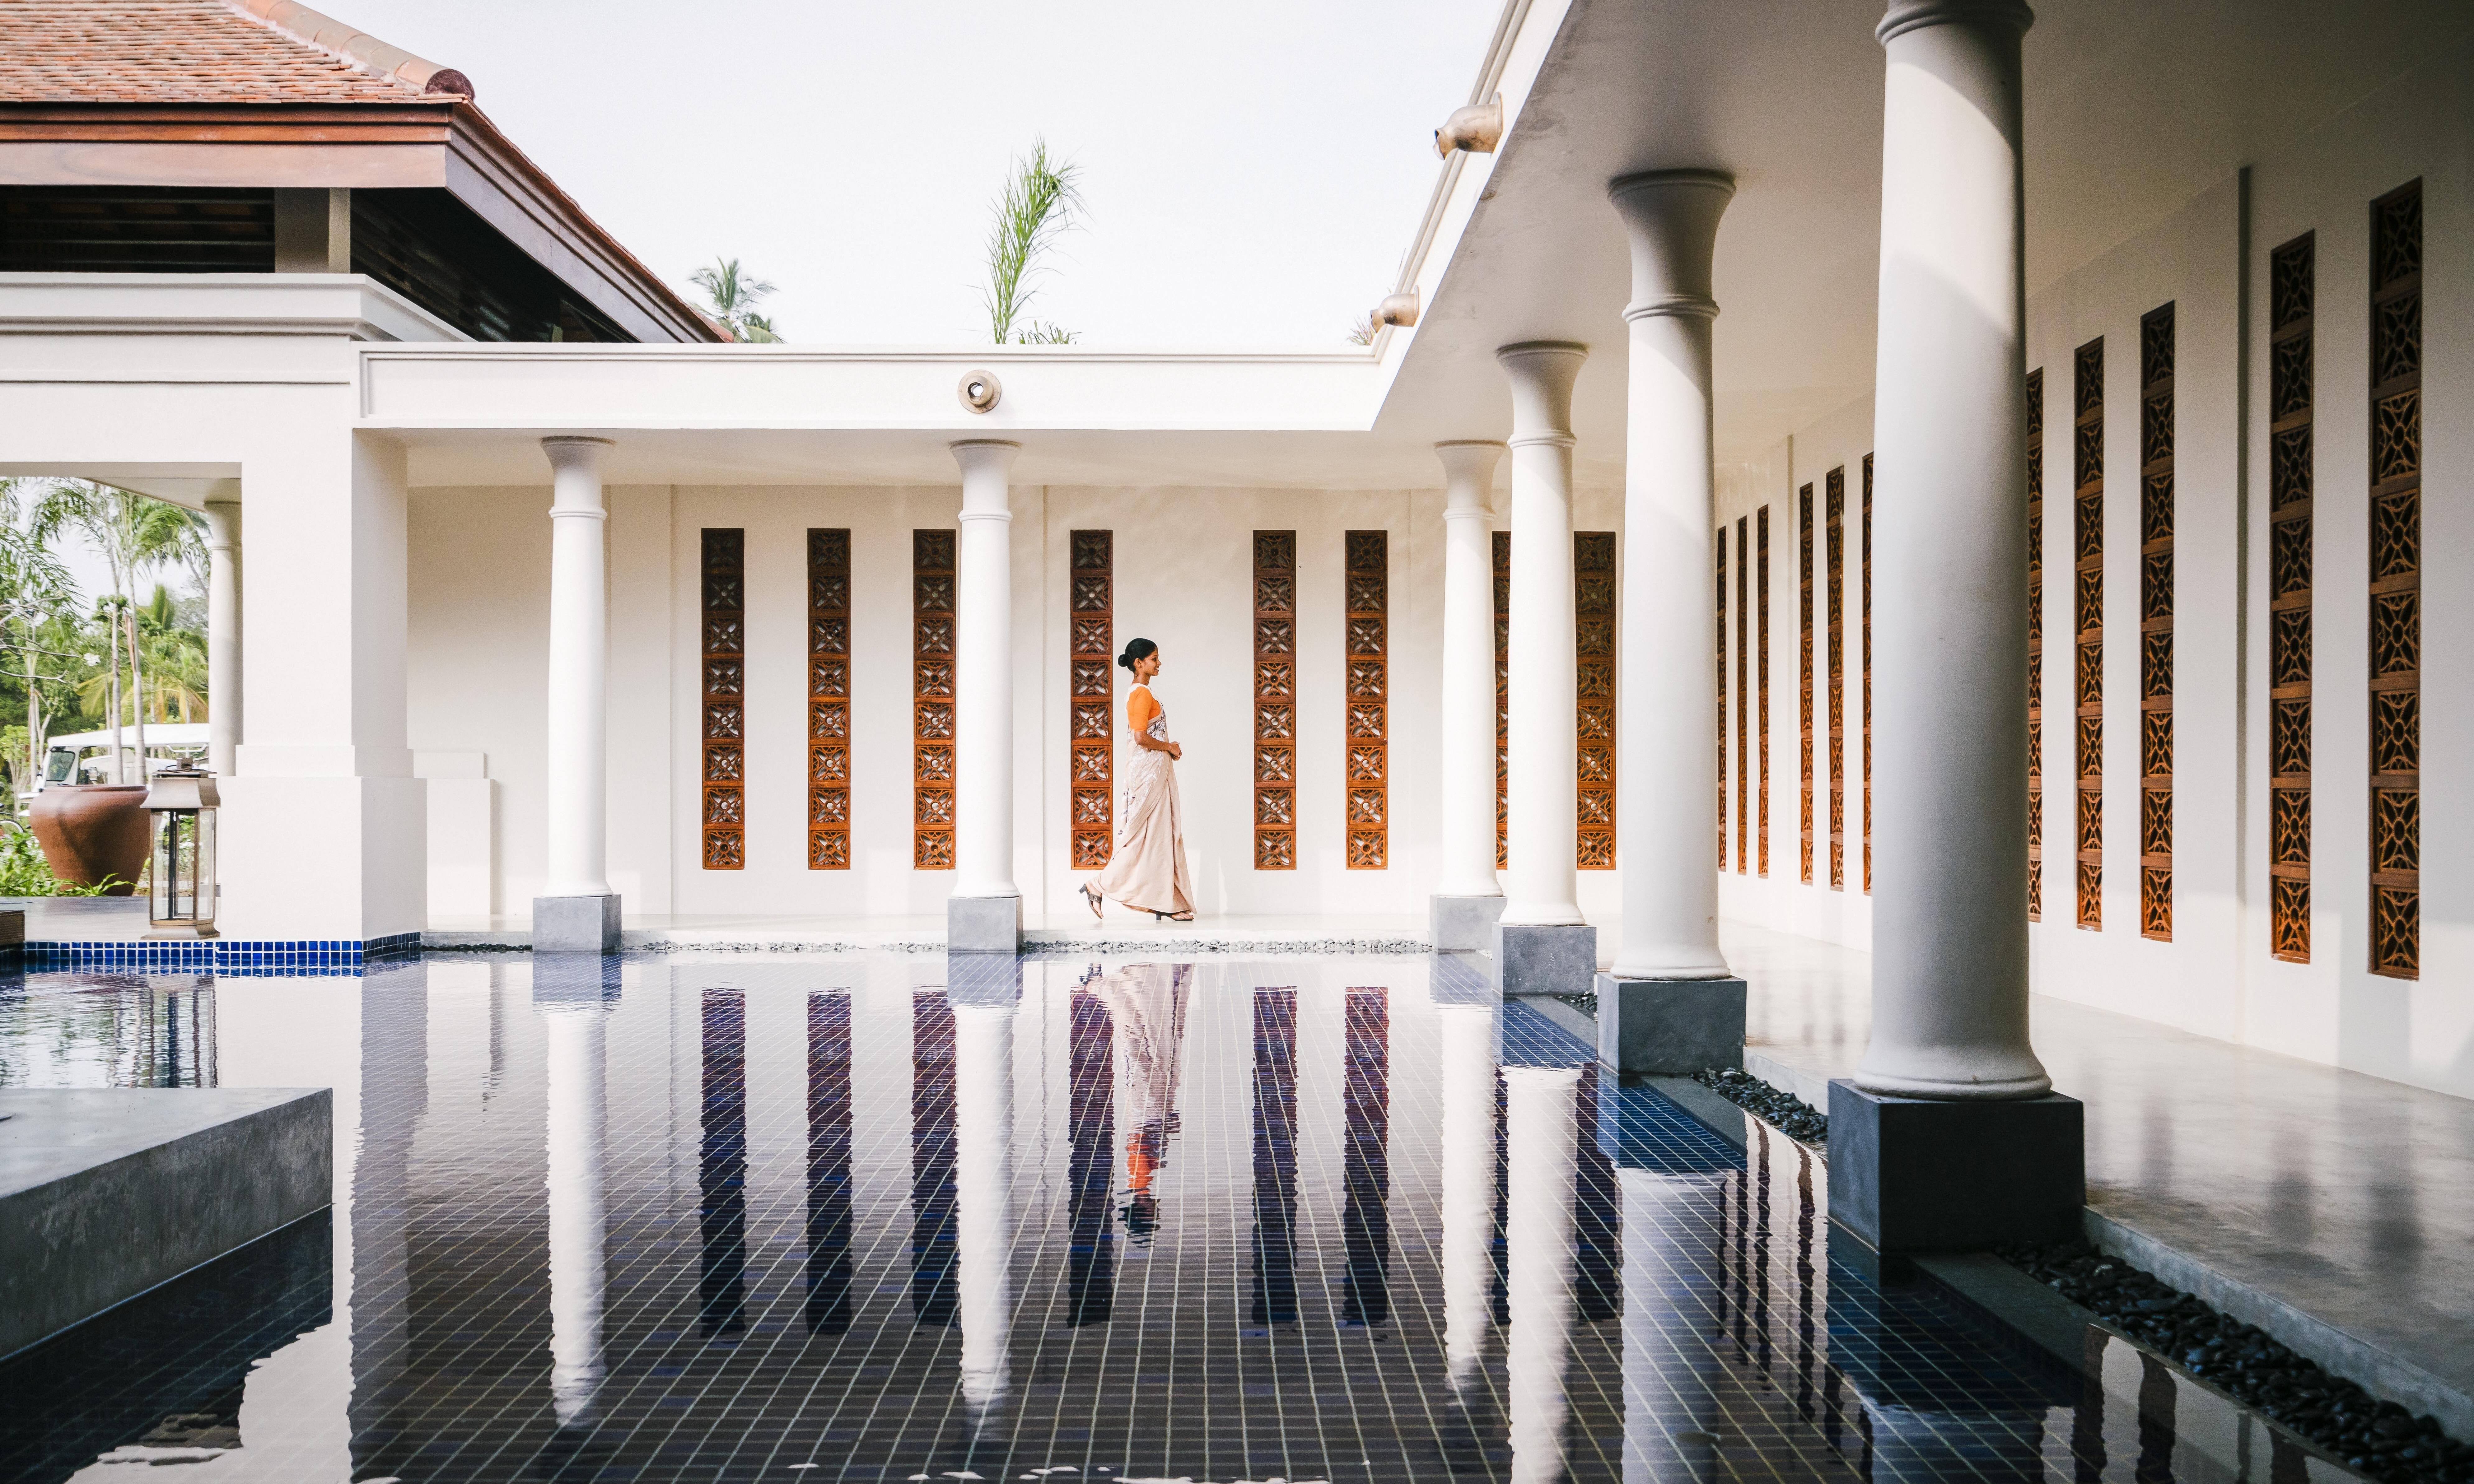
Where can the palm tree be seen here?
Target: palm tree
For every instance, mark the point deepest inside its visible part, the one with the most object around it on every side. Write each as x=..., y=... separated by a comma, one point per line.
x=34, y=586
x=133, y=534
x=1041, y=201
x=733, y=294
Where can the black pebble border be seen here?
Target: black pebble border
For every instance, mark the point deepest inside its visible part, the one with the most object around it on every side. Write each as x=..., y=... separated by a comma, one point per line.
x=2380, y=1438
x=1796, y=1119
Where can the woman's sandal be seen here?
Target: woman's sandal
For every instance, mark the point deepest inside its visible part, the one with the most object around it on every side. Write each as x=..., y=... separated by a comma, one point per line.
x=1171, y=916
x=1092, y=898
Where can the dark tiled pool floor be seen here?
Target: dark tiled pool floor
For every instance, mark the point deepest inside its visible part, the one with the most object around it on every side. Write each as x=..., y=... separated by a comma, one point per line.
x=849, y=1218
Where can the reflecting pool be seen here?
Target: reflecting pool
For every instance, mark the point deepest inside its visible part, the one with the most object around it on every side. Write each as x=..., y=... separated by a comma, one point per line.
x=880, y=1217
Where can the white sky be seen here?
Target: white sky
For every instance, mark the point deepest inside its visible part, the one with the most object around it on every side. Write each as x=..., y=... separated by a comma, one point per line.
x=1254, y=172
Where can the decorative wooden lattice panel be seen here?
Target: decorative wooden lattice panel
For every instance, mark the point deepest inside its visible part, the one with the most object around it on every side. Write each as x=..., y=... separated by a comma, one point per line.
x=1502, y=697
x=1833, y=512
x=1761, y=684
x=2036, y=645
x=1866, y=640
x=829, y=701
x=1091, y=692
x=1718, y=577
x=932, y=700
x=1804, y=664
x=1366, y=760
x=1593, y=615
x=1275, y=700
x=2396, y=583
x=2087, y=623
x=1744, y=694
x=2156, y=623
x=723, y=693
x=2292, y=401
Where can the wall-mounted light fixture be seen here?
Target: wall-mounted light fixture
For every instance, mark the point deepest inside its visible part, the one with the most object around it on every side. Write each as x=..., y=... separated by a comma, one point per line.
x=980, y=391
x=1400, y=309
x=1477, y=129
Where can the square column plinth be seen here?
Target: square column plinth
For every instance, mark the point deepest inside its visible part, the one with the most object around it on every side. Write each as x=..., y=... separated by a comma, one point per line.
x=575, y=925
x=1908, y=1175
x=1533, y=960
x=1462, y=924
x=984, y=924
x=1671, y=1027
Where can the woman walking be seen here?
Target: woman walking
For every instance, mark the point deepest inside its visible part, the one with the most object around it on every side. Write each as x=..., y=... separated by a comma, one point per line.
x=1147, y=872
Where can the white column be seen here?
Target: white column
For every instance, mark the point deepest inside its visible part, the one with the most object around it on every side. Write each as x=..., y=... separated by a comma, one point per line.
x=983, y=1198
x=579, y=1123
x=1671, y=1371
x=1949, y=842
x=579, y=664
x=1467, y=764
x=1667, y=823
x=1467, y=1088
x=1540, y=1140
x=983, y=674
x=1540, y=792
x=222, y=635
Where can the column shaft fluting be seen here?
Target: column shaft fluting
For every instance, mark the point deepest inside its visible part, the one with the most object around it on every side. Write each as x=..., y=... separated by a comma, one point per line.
x=1950, y=913
x=983, y=674
x=1666, y=811
x=579, y=660
x=1541, y=729
x=222, y=635
x=1466, y=769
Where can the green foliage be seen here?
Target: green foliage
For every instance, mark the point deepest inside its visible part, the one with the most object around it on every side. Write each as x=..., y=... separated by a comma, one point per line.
x=1041, y=201
x=731, y=295
x=24, y=872
x=1362, y=332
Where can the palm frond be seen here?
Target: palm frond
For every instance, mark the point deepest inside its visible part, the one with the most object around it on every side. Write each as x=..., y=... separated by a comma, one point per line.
x=1042, y=200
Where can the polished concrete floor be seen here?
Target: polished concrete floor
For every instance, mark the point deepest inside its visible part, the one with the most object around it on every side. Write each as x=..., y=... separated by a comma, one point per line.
x=2347, y=1199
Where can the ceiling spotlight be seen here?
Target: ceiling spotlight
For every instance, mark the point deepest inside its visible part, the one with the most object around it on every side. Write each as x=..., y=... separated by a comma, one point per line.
x=1400, y=309
x=1477, y=129
x=980, y=391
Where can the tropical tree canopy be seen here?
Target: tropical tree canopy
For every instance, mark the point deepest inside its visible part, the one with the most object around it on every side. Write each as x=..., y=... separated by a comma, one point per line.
x=731, y=295
x=1042, y=200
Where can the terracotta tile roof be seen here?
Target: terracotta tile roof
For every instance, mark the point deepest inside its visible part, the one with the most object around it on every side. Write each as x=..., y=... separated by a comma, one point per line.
x=203, y=51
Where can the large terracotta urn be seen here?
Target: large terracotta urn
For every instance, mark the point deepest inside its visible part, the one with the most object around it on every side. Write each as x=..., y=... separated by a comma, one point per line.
x=92, y=831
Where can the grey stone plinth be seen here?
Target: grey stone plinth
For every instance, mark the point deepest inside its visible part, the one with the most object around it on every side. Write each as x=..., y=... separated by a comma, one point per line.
x=12, y=933
x=984, y=924
x=575, y=925
x=575, y=979
x=105, y=1192
x=982, y=979
x=1463, y=924
x=1908, y=1175
x=1671, y=1026
x=1533, y=960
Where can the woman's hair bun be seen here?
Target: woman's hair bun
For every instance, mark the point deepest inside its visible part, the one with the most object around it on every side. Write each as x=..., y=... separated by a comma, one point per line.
x=1136, y=649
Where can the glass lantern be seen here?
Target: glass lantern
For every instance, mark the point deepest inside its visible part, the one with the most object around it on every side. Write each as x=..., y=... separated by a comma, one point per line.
x=180, y=866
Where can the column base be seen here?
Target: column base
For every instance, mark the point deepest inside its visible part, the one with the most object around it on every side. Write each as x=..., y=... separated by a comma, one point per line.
x=982, y=925
x=1462, y=924
x=1535, y=960
x=575, y=925
x=1672, y=1027
x=1908, y=1175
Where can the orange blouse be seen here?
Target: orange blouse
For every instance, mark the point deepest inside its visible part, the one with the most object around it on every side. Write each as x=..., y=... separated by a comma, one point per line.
x=1140, y=707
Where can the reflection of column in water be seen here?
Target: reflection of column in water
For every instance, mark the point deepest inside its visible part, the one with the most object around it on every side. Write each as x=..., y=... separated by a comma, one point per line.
x=829, y=1162
x=1467, y=1080
x=1148, y=1002
x=1543, y=1138
x=1275, y=1157
x=1090, y=1262
x=395, y=1094
x=1597, y=1236
x=932, y=1158
x=1366, y=1168
x=1673, y=1276
x=578, y=1109
x=721, y=1166
x=984, y=1168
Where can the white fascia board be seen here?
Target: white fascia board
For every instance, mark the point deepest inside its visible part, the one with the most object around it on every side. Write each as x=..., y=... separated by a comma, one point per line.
x=85, y=304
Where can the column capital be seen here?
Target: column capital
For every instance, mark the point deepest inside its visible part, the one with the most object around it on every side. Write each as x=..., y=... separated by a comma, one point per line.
x=1542, y=373
x=1905, y=15
x=978, y=454
x=567, y=452
x=1671, y=220
x=1468, y=475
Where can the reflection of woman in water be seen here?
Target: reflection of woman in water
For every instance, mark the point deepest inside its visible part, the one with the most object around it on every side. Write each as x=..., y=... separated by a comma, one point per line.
x=1147, y=872
x=1147, y=1001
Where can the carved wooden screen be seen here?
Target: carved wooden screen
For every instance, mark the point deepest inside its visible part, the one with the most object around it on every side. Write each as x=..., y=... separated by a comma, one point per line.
x=2396, y=583
x=1761, y=684
x=723, y=689
x=1835, y=522
x=1369, y=578
x=1744, y=694
x=1275, y=700
x=2291, y=403
x=932, y=700
x=1720, y=577
x=1865, y=623
x=1804, y=663
x=1091, y=690
x=2036, y=645
x=2156, y=623
x=829, y=701
x=1593, y=612
x=1502, y=697
x=2087, y=622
